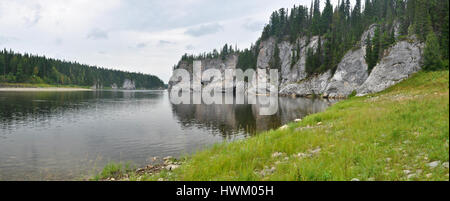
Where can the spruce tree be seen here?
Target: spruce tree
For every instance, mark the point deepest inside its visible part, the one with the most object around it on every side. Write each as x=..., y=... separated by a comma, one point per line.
x=422, y=19
x=432, y=58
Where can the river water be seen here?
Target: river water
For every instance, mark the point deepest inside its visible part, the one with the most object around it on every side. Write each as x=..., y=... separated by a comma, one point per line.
x=72, y=135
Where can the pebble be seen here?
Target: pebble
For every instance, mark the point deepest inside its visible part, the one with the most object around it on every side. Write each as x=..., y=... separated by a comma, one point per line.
x=302, y=155
x=266, y=171
x=445, y=165
x=355, y=179
x=276, y=154
x=411, y=176
x=315, y=151
x=284, y=127
x=167, y=158
x=172, y=167
x=433, y=164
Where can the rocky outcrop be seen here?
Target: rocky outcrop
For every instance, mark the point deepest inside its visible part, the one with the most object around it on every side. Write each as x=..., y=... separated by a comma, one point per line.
x=351, y=75
x=351, y=72
x=314, y=85
x=128, y=85
x=368, y=33
x=114, y=86
x=296, y=72
x=402, y=60
x=266, y=51
x=290, y=73
x=229, y=62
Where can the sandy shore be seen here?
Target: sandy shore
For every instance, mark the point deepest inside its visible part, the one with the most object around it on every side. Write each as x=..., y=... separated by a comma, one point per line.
x=43, y=89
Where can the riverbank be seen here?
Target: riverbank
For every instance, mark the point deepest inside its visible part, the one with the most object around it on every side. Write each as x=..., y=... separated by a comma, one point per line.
x=40, y=87
x=401, y=133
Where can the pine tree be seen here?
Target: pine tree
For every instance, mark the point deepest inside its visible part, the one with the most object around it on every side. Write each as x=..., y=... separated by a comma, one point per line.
x=422, y=19
x=444, y=38
x=275, y=61
x=369, y=59
x=432, y=58
x=316, y=18
x=376, y=47
x=327, y=17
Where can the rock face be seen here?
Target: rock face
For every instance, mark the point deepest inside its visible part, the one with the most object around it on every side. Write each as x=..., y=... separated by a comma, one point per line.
x=398, y=63
x=402, y=60
x=351, y=75
x=296, y=72
x=229, y=62
x=351, y=72
x=290, y=73
x=265, y=53
x=114, y=86
x=128, y=85
x=311, y=86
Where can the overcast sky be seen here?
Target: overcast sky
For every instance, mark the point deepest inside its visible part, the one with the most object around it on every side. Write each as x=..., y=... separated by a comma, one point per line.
x=147, y=36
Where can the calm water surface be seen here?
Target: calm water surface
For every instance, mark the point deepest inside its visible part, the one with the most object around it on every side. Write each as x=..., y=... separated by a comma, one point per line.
x=72, y=135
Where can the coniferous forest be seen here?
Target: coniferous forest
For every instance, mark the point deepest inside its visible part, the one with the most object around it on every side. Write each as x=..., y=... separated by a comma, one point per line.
x=26, y=68
x=340, y=28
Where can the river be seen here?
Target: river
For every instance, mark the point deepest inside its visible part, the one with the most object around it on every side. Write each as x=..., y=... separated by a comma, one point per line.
x=72, y=135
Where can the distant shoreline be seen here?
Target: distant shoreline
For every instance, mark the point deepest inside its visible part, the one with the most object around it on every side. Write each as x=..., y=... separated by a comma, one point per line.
x=43, y=89
x=40, y=87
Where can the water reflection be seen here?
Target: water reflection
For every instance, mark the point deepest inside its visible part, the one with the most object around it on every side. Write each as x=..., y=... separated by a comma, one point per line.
x=62, y=135
x=245, y=119
x=32, y=109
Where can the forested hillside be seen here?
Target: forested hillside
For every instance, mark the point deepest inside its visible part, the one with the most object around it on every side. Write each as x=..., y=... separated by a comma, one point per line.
x=26, y=68
x=340, y=28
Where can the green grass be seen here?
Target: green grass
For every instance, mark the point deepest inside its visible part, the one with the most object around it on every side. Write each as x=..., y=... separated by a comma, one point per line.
x=42, y=85
x=114, y=170
x=383, y=136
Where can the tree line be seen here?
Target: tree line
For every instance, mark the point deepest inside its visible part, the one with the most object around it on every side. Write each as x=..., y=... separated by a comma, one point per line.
x=27, y=68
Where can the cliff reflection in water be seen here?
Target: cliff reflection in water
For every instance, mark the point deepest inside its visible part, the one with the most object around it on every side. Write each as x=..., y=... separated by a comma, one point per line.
x=244, y=119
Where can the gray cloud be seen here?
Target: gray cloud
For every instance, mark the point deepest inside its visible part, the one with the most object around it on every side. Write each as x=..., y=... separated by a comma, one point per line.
x=165, y=42
x=141, y=45
x=5, y=39
x=58, y=41
x=190, y=47
x=154, y=15
x=253, y=25
x=35, y=15
x=97, y=34
x=204, y=30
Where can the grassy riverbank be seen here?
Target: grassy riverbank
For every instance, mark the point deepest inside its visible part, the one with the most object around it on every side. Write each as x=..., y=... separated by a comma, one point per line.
x=399, y=134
